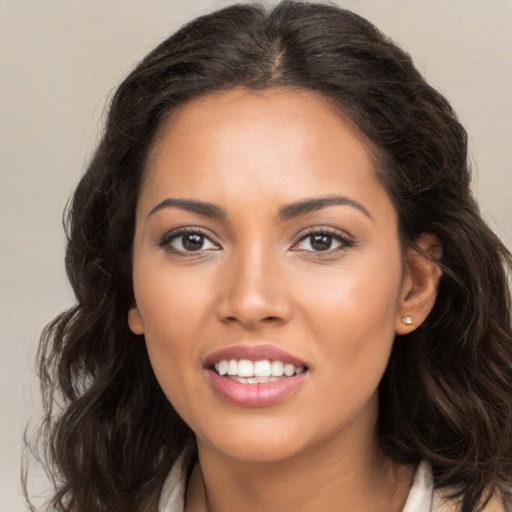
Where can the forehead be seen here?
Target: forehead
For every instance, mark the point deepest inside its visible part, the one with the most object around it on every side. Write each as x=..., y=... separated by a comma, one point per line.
x=277, y=117
x=278, y=142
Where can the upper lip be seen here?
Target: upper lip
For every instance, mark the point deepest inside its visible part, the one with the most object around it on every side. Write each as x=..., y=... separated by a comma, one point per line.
x=253, y=353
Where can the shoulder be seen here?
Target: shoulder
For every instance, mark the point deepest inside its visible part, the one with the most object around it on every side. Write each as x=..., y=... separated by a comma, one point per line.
x=423, y=497
x=172, y=496
x=441, y=503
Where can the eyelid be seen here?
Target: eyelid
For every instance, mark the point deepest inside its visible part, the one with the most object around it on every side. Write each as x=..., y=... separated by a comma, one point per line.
x=168, y=237
x=343, y=237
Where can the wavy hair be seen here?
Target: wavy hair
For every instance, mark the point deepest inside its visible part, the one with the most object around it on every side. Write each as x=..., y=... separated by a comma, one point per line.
x=109, y=435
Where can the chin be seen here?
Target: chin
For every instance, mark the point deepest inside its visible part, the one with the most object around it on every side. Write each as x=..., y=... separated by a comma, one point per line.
x=263, y=452
x=257, y=442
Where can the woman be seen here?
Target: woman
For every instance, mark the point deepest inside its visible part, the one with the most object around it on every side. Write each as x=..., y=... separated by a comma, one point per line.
x=286, y=297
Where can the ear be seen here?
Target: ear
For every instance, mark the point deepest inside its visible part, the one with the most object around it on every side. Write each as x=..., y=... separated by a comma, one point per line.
x=135, y=321
x=420, y=284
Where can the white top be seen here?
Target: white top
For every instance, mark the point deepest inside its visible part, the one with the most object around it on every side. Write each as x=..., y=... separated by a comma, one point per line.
x=421, y=495
x=172, y=499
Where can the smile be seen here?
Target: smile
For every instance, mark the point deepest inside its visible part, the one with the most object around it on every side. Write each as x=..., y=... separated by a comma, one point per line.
x=255, y=376
x=256, y=372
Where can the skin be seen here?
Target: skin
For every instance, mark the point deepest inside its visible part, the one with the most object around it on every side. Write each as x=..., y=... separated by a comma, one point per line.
x=258, y=279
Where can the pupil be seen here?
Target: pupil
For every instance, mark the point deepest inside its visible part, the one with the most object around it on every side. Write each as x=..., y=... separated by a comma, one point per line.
x=193, y=242
x=321, y=242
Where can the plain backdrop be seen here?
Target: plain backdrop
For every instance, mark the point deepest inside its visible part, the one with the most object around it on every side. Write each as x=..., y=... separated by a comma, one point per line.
x=59, y=62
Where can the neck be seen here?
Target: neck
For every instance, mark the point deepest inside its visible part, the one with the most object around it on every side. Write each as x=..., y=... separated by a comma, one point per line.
x=327, y=478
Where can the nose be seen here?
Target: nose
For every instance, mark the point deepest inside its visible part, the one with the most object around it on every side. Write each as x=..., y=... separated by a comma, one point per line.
x=253, y=292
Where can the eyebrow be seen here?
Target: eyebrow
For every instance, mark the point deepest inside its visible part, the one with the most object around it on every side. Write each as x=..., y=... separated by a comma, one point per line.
x=206, y=209
x=312, y=205
x=287, y=212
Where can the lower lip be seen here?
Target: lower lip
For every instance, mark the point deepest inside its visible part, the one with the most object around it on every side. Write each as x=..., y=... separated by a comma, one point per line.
x=255, y=395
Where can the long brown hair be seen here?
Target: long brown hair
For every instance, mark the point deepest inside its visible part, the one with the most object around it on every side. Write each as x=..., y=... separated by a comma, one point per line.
x=109, y=434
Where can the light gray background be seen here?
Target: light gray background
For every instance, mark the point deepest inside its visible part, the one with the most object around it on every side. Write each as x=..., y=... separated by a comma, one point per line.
x=60, y=60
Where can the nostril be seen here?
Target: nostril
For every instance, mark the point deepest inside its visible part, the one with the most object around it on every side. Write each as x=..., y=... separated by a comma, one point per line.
x=251, y=311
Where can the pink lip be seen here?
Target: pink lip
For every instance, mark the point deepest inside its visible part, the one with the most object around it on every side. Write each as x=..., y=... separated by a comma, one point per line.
x=254, y=395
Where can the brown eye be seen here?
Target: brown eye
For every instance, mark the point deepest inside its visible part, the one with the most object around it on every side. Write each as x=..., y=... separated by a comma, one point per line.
x=193, y=242
x=188, y=242
x=321, y=242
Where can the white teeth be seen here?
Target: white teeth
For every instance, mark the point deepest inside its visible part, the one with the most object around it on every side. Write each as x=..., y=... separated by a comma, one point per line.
x=254, y=380
x=223, y=367
x=289, y=370
x=277, y=368
x=245, y=368
x=233, y=367
x=262, y=371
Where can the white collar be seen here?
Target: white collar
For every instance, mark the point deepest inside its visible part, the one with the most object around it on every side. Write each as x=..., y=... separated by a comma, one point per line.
x=422, y=490
x=172, y=498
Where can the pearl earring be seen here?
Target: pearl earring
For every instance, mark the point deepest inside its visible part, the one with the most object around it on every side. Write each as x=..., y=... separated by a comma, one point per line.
x=407, y=320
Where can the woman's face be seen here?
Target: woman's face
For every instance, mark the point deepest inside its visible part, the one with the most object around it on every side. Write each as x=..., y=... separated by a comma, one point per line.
x=265, y=244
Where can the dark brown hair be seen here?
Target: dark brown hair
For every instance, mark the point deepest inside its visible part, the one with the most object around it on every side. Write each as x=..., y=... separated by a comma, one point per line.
x=110, y=436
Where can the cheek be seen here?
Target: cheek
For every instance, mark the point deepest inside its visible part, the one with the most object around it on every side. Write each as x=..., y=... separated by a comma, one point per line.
x=355, y=317
x=172, y=309
x=357, y=297
x=172, y=303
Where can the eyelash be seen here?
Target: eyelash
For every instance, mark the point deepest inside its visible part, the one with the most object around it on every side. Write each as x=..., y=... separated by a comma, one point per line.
x=344, y=240
x=168, y=238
